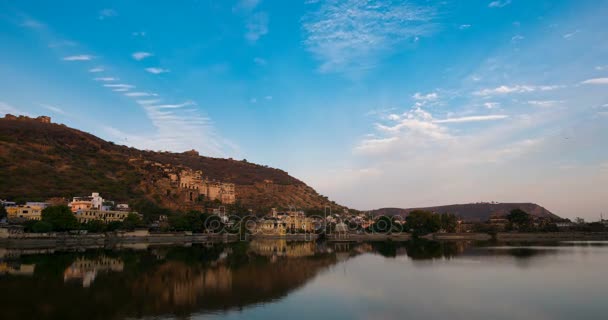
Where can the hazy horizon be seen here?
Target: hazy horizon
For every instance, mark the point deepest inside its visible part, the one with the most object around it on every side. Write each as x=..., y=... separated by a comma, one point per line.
x=372, y=103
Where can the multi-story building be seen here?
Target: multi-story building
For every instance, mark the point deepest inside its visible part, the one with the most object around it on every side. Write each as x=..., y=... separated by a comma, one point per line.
x=84, y=216
x=194, y=183
x=94, y=202
x=29, y=211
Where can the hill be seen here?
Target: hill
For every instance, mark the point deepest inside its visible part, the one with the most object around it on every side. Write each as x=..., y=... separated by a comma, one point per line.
x=475, y=212
x=40, y=160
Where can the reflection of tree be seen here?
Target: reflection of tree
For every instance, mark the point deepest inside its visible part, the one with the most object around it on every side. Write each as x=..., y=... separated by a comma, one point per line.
x=159, y=281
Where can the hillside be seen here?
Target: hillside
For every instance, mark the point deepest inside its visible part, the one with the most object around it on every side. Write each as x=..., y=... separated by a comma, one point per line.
x=40, y=160
x=475, y=212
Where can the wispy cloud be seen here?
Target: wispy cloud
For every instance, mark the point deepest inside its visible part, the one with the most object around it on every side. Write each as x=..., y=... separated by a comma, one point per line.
x=106, y=79
x=353, y=34
x=96, y=69
x=425, y=97
x=499, y=3
x=571, y=34
x=33, y=24
x=53, y=109
x=139, y=34
x=6, y=108
x=544, y=103
x=107, y=13
x=119, y=87
x=246, y=5
x=141, y=55
x=491, y=105
x=157, y=70
x=502, y=90
x=148, y=102
x=257, y=26
x=80, y=57
x=517, y=38
x=596, y=81
x=139, y=94
x=464, y=26
x=601, y=68
x=473, y=119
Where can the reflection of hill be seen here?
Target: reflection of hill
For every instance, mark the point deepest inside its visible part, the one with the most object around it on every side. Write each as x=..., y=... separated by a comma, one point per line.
x=184, y=281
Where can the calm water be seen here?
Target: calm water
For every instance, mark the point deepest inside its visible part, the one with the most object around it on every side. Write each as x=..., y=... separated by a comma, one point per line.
x=276, y=279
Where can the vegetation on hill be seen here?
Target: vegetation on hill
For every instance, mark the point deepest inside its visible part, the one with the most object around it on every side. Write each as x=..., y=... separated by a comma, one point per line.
x=40, y=160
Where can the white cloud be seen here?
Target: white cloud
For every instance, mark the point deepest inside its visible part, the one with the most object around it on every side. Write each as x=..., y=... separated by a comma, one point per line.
x=33, y=24
x=157, y=70
x=268, y=98
x=601, y=68
x=502, y=90
x=472, y=119
x=139, y=34
x=464, y=26
x=80, y=57
x=107, y=13
x=141, y=55
x=425, y=97
x=139, y=94
x=253, y=100
x=354, y=34
x=148, y=102
x=499, y=3
x=96, y=69
x=53, y=109
x=492, y=105
x=169, y=106
x=246, y=5
x=517, y=38
x=571, y=34
x=106, y=79
x=257, y=26
x=544, y=103
x=119, y=86
x=596, y=81
x=6, y=108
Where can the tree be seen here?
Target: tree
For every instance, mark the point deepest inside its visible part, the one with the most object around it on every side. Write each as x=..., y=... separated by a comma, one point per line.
x=519, y=218
x=60, y=217
x=42, y=227
x=423, y=222
x=132, y=221
x=449, y=222
x=383, y=224
x=3, y=212
x=95, y=226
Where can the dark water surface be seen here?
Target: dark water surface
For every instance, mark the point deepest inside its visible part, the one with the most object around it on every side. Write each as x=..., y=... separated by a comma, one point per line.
x=295, y=280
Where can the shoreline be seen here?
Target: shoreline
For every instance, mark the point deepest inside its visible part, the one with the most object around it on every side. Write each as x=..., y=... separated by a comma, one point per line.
x=139, y=238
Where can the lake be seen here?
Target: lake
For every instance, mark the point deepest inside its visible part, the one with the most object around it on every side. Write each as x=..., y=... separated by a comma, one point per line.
x=304, y=280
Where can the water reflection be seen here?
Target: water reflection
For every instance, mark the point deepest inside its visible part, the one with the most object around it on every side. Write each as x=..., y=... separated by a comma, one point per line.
x=152, y=281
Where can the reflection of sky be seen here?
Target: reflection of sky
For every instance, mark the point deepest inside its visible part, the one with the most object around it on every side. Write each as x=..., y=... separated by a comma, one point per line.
x=553, y=283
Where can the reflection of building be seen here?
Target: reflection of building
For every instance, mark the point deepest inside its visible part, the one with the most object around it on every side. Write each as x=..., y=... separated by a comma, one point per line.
x=94, y=202
x=282, y=248
x=105, y=216
x=17, y=270
x=29, y=211
x=86, y=270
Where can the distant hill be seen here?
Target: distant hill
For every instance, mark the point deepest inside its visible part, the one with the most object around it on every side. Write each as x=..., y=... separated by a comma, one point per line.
x=40, y=160
x=475, y=212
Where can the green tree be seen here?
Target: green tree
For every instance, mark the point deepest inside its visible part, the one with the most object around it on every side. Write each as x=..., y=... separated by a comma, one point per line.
x=60, y=217
x=448, y=222
x=95, y=226
x=519, y=218
x=383, y=224
x=423, y=222
x=3, y=212
x=132, y=221
x=42, y=227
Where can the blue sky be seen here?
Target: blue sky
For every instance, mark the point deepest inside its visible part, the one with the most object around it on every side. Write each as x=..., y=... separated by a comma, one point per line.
x=373, y=103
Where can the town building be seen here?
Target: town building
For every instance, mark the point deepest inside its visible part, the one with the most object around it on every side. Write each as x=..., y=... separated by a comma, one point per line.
x=85, y=216
x=93, y=202
x=196, y=186
x=29, y=211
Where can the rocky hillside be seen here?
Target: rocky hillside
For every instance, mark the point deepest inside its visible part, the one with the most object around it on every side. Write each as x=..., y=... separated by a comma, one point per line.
x=40, y=160
x=475, y=212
